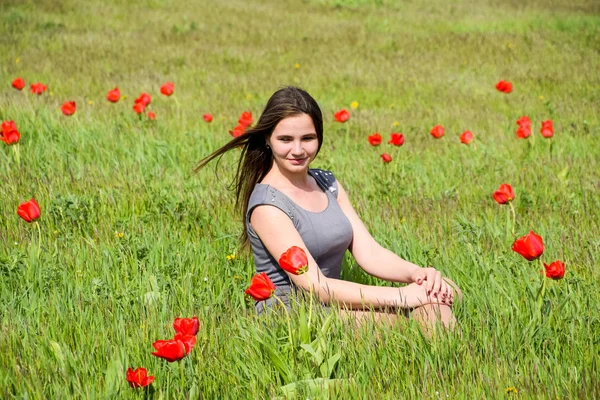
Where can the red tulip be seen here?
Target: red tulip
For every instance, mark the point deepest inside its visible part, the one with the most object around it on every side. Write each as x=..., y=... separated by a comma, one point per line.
x=9, y=133
x=144, y=99
x=151, y=115
x=555, y=270
x=294, y=261
x=437, y=131
x=139, y=377
x=11, y=137
x=139, y=108
x=386, y=158
x=186, y=326
x=38, y=88
x=529, y=246
x=207, y=117
x=8, y=126
x=261, y=287
x=170, y=350
x=466, y=137
x=524, y=121
x=342, y=115
x=397, y=139
x=18, y=83
x=504, y=86
x=245, y=119
x=523, y=132
x=189, y=341
x=29, y=211
x=68, y=108
x=237, y=131
x=113, y=95
x=504, y=194
x=547, y=130
x=375, y=139
x=167, y=89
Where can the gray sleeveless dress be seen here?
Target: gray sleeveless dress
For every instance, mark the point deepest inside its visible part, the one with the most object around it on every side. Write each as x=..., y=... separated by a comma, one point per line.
x=326, y=234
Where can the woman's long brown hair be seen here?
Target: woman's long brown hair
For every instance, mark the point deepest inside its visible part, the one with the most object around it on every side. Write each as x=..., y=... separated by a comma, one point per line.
x=256, y=158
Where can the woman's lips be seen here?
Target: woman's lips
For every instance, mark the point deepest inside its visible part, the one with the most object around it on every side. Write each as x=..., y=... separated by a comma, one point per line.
x=297, y=161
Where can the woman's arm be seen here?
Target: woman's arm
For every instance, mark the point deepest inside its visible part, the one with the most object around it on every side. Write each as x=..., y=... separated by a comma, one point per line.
x=382, y=263
x=277, y=232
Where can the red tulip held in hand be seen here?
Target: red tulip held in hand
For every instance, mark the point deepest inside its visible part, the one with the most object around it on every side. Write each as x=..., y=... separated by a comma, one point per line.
x=139, y=108
x=397, y=139
x=504, y=194
x=245, y=119
x=139, y=377
x=342, y=115
x=144, y=99
x=170, y=350
x=186, y=326
x=386, y=158
x=207, y=117
x=466, y=137
x=38, y=88
x=151, y=115
x=167, y=89
x=294, y=261
x=547, y=130
x=18, y=83
x=523, y=132
x=437, y=131
x=529, y=246
x=29, y=211
x=555, y=270
x=261, y=287
x=375, y=139
x=504, y=86
x=113, y=95
x=68, y=108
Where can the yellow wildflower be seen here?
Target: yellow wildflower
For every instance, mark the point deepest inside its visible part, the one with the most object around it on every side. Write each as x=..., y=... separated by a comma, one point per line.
x=354, y=105
x=90, y=102
x=119, y=235
x=230, y=257
x=249, y=96
x=541, y=97
x=18, y=60
x=297, y=65
x=511, y=389
x=395, y=123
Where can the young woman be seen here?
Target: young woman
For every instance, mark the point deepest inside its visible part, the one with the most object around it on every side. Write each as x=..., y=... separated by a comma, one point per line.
x=285, y=203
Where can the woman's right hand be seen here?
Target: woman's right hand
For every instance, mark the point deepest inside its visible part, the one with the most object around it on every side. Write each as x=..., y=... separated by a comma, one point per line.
x=423, y=292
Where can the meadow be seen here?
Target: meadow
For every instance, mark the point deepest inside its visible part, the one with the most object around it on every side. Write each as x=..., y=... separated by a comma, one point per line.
x=130, y=238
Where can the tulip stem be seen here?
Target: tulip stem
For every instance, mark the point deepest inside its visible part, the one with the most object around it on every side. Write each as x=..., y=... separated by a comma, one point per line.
x=37, y=225
x=182, y=370
x=289, y=322
x=512, y=209
x=542, y=289
x=17, y=155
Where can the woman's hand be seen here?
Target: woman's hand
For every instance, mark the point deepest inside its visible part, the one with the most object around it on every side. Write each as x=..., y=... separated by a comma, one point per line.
x=434, y=285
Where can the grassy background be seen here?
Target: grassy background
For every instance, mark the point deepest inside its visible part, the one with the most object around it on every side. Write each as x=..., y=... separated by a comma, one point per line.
x=80, y=304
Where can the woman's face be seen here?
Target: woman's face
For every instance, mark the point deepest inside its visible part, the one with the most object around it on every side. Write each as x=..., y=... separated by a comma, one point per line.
x=294, y=143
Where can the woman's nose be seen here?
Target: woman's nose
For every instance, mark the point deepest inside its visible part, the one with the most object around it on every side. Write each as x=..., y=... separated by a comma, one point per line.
x=297, y=149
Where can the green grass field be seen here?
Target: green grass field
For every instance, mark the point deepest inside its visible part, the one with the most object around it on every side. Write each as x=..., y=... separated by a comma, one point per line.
x=129, y=238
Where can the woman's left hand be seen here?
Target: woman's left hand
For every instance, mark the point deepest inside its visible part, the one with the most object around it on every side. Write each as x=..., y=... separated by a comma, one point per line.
x=435, y=285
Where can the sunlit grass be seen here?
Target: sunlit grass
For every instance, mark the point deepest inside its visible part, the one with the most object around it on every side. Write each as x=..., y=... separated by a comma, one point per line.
x=131, y=239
